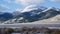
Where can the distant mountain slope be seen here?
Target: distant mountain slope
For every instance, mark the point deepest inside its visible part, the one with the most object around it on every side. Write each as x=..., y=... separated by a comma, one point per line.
x=4, y=16
x=55, y=19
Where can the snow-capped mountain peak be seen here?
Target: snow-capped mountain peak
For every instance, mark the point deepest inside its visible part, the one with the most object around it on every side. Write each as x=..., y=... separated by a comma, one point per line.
x=51, y=8
x=48, y=9
x=33, y=7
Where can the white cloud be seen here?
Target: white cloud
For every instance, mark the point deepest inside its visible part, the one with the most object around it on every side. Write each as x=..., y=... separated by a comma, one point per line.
x=26, y=2
x=29, y=2
x=4, y=7
x=55, y=0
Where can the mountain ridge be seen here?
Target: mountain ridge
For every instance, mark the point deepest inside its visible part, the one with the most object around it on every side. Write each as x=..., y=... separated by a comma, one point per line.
x=34, y=13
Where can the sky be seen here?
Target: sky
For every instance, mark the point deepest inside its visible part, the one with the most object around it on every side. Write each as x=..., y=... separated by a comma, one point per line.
x=15, y=5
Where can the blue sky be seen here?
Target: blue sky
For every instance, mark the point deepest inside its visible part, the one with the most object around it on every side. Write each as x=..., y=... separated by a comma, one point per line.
x=13, y=5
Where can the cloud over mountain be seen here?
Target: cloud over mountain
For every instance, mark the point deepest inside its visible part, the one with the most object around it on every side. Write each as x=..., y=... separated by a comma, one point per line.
x=3, y=7
x=28, y=2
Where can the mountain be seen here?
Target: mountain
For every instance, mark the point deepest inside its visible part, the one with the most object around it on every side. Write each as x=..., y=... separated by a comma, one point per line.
x=55, y=19
x=30, y=10
x=34, y=13
x=4, y=16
